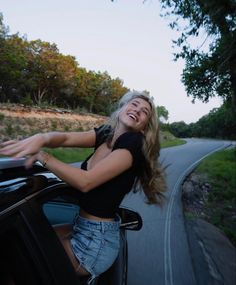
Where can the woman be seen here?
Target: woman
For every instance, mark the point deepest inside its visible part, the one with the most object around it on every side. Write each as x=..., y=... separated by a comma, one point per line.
x=125, y=154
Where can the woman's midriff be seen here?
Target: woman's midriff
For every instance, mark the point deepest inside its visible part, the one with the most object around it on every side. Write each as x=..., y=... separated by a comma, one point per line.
x=86, y=215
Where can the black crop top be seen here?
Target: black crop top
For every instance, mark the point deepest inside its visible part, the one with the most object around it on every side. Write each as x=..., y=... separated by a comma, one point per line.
x=104, y=200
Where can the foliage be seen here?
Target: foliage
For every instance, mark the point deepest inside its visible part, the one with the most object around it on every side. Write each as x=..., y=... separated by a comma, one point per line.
x=218, y=123
x=179, y=129
x=35, y=72
x=209, y=71
x=2, y=116
x=220, y=169
x=163, y=113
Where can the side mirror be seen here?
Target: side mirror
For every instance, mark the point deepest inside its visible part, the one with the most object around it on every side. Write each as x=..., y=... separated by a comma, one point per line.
x=130, y=220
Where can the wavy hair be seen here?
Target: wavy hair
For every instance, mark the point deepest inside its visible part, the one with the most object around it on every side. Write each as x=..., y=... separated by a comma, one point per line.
x=152, y=178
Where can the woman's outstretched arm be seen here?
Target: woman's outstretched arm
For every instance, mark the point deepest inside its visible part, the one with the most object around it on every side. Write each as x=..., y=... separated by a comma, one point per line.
x=33, y=144
x=111, y=166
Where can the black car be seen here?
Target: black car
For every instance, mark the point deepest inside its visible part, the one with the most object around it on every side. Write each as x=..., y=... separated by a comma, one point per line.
x=31, y=202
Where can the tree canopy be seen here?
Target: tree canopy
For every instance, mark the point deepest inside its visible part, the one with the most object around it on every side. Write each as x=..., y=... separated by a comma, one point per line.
x=209, y=71
x=218, y=123
x=163, y=113
x=35, y=72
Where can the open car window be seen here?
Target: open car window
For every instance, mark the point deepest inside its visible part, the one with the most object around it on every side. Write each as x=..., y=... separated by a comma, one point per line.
x=58, y=211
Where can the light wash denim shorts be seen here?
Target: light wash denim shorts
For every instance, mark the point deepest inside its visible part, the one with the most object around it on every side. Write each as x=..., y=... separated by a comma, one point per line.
x=96, y=244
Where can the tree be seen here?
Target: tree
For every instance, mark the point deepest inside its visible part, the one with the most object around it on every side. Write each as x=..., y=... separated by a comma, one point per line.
x=212, y=72
x=179, y=129
x=162, y=113
x=13, y=66
x=218, y=123
x=36, y=72
x=52, y=75
x=42, y=69
x=3, y=28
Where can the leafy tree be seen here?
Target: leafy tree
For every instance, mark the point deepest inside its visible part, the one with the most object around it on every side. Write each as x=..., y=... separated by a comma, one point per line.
x=35, y=72
x=42, y=69
x=179, y=129
x=218, y=123
x=211, y=72
x=64, y=83
x=13, y=66
x=98, y=92
x=163, y=113
x=3, y=28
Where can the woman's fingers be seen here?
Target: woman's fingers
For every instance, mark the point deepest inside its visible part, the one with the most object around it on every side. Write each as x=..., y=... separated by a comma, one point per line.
x=28, y=146
x=23, y=153
x=7, y=143
x=11, y=149
x=30, y=160
x=17, y=148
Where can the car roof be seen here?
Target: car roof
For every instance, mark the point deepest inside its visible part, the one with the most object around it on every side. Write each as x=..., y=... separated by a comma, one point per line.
x=17, y=182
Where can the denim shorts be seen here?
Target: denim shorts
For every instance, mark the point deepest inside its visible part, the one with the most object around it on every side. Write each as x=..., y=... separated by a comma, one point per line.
x=95, y=243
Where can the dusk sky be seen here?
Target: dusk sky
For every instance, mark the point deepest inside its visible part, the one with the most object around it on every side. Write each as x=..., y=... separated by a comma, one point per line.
x=128, y=39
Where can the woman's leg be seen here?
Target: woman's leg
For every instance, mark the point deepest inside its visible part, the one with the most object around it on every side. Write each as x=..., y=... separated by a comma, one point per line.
x=64, y=233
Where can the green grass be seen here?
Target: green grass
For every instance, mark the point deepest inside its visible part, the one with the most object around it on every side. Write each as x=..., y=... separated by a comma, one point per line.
x=173, y=142
x=168, y=139
x=70, y=155
x=220, y=169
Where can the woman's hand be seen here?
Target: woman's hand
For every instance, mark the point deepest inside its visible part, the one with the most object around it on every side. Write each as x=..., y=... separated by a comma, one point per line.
x=30, y=160
x=23, y=148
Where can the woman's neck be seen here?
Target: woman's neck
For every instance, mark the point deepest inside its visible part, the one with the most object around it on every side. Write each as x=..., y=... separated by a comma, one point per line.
x=119, y=130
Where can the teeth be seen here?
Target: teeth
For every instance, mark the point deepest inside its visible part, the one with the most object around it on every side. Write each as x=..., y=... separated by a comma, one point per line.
x=132, y=117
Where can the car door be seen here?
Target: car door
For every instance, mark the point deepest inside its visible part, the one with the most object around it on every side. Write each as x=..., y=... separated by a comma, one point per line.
x=30, y=252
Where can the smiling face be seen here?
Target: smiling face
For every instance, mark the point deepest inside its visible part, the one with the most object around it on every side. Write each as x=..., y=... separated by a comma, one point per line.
x=135, y=115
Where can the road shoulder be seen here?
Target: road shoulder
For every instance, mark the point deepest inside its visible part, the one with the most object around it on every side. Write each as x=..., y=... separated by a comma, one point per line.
x=213, y=255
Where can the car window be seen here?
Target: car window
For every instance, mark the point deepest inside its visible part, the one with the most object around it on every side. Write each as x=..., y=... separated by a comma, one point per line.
x=58, y=211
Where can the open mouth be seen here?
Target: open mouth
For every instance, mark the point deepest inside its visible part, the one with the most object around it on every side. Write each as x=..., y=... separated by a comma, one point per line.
x=133, y=117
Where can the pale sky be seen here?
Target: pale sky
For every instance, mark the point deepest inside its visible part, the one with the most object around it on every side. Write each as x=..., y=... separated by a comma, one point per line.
x=126, y=38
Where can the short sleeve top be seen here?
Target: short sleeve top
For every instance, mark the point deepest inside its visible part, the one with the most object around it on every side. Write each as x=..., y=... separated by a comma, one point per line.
x=104, y=200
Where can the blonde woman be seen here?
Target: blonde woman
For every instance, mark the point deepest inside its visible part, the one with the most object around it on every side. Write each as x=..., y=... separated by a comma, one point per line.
x=125, y=154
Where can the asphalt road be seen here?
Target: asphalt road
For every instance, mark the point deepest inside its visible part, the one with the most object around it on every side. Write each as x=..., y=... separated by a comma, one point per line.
x=159, y=252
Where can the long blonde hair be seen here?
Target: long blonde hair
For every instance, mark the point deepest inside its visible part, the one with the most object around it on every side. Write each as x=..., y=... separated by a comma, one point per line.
x=152, y=179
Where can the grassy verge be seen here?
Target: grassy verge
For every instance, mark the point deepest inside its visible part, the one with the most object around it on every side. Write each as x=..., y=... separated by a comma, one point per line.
x=173, y=142
x=70, y=155
x=220, y=208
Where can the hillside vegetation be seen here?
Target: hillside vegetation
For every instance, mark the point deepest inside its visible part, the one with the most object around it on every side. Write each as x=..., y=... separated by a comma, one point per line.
x=18, y=121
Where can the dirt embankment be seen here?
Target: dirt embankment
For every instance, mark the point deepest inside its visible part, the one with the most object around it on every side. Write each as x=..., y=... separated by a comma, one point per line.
x=18, y=121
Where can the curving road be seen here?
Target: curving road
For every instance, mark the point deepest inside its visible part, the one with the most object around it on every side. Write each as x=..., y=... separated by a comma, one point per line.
x=159, y=252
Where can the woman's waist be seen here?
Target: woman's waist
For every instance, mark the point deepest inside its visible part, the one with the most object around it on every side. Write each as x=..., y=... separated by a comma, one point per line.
x=91, y=217
x=86, y=221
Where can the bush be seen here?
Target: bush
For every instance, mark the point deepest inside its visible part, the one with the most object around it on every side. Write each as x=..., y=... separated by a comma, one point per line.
x=2, y=116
